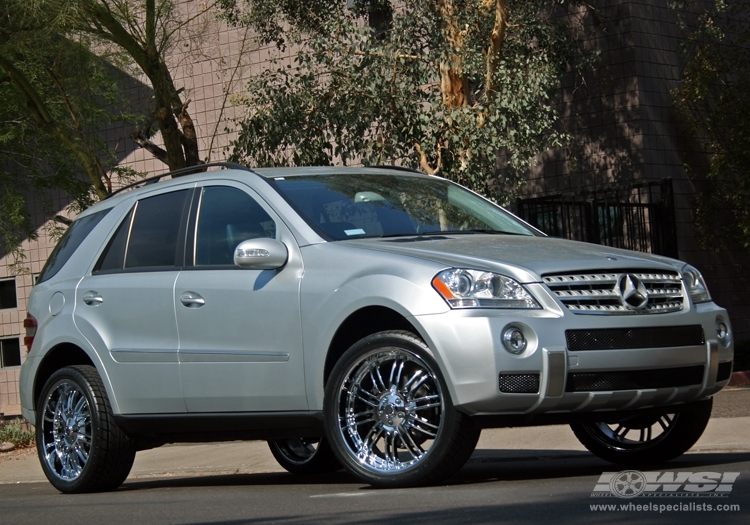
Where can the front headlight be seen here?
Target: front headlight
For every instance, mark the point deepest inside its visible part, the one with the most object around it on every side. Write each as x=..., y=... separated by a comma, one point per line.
x=695, y=285
x=463, y=288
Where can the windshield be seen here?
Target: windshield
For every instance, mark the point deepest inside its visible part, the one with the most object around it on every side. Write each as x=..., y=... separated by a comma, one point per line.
x=347, y=206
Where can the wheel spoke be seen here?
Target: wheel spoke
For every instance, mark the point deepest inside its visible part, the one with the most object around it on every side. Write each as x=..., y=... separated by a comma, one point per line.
x=80, y=405
x=380, y=380
x=414, y=404
x=414, y=377
x=389, y=447
x=393, y=373
x=400, y=373
x=423, y=421
x=366, y=401
x=414, y=450
x=665, y=422
x=371, y=439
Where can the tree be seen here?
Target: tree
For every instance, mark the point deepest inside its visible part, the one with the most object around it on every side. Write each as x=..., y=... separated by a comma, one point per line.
x=55, y=98
x=458, y=88
x=59, y=62
x=713, y=100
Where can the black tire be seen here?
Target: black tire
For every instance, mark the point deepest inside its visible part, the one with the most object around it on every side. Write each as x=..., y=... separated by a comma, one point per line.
x=80, y=447
x=389, y=416
x=646, y=439
x=305, y=455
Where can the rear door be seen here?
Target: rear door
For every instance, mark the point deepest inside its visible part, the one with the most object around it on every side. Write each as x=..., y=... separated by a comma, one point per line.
x=239, y=329
x=126, y=306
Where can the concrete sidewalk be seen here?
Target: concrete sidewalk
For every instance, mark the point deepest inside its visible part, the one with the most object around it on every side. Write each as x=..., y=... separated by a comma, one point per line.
x=729, y=434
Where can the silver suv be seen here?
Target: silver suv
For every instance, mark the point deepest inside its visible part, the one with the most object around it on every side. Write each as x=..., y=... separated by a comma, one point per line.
x=366, y=318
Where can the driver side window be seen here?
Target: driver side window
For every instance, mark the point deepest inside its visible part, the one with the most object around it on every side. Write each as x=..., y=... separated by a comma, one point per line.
x=228, y=216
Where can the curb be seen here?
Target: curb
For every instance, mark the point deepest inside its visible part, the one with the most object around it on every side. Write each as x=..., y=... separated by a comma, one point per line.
x=739, y=378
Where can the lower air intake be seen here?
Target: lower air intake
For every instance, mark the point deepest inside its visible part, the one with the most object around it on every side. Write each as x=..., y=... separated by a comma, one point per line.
x=634, y=379
x=519, y=383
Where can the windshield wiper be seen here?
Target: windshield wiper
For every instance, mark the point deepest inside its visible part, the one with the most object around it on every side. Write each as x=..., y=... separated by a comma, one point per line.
x=476, y=231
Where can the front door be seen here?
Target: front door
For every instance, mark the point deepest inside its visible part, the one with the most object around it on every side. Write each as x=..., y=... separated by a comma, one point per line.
x=239, y=329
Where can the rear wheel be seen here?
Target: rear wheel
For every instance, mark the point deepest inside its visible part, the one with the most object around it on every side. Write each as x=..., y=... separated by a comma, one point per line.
x=389, y=416
x=305, y=455
x=80, y=447
x=648, y=438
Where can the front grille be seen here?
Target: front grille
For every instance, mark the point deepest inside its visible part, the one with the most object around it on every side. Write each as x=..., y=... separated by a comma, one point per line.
x=597, y=293
x=634, y=379
x=519, y=383
x=632, y=338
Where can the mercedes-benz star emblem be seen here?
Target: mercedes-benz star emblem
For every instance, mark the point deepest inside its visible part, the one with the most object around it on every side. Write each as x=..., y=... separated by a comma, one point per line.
x=632, y=292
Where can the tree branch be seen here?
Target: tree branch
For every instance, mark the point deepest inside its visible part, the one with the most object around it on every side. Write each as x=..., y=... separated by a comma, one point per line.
x=425, y=164
x=149, y=146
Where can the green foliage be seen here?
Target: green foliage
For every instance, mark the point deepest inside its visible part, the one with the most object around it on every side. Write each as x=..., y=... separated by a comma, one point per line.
x=384, y=92
x=14, y=432
x=714, y=101
x=56, y=97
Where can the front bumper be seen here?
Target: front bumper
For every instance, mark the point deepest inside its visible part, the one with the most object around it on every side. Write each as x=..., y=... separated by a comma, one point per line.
x=549, y=377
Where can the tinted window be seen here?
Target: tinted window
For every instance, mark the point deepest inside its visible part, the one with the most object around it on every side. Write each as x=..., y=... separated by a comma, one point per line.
x=368, y=205
x=228, y=216
x=156, y=229
x=70, y=241
x=113, y=257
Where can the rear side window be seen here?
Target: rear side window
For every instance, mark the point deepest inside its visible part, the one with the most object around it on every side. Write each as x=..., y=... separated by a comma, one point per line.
x=69, y=243
x=150, y=236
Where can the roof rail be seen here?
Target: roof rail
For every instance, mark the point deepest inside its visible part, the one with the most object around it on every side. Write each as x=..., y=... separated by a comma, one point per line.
x=400, y=168
x=181, y=171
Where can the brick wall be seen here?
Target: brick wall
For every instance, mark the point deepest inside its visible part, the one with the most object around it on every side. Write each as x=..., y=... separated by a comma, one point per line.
x=624, y=129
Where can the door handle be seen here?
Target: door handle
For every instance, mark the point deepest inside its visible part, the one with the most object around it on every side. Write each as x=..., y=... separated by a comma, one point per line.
x=192, y=300
x=92, y=298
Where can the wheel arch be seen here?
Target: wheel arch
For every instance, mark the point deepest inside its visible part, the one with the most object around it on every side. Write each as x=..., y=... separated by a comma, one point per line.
x=62, y=355
x=360, y=324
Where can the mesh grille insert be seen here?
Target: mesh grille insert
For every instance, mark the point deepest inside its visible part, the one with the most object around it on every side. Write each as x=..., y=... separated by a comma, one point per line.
x=631, y=338
x=634, y=379
x=519, y=383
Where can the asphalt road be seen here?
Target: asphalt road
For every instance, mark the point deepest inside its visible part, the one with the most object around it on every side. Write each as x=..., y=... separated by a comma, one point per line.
x=548, y=488
x=523, y=485
x=732, y=402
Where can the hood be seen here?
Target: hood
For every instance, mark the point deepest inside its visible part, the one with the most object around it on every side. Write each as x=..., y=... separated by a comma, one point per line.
x=524, y=258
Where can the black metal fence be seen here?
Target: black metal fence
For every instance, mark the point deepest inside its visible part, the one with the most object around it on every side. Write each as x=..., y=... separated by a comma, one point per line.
x=637, y=217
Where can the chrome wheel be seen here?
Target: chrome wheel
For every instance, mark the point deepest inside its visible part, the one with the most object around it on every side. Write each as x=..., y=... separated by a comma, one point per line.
x=67, y=431
x=647, y=438
x=305, y=455
x=389, y=416
x=635, y=432
x=299, y=450
x=390, y=410
x=80, y=446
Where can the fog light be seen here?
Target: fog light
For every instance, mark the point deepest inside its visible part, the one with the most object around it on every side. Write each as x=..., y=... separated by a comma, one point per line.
x=722, y=332
x=513, y=340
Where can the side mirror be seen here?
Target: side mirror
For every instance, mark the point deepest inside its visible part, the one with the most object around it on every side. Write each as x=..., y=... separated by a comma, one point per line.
x=261, y=254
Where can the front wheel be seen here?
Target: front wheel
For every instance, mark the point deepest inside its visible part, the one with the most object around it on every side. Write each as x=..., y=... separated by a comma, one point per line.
x=305, y=455
x=646, y=439
x=80, y=447
x=389, y=416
